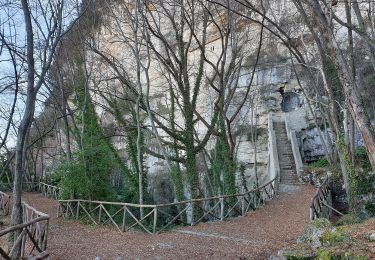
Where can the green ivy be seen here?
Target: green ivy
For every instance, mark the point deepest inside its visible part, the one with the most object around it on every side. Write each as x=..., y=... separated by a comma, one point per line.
x=223, y=167
x=87, y=175
x=352, y=175
x=131, y=170
x=321, y=163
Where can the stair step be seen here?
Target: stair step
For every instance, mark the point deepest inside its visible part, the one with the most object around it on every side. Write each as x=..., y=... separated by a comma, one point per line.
x=287, y=165
x=288, y=172
x=291, y=175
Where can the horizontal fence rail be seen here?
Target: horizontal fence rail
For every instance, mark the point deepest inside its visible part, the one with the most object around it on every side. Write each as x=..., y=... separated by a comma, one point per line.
x=156, y=218
x=30, y=236
x=26, y=186
x=48, y=190
x=320, y=203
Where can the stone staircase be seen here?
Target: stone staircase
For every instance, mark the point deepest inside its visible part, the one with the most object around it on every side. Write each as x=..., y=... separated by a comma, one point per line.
x=288, y=173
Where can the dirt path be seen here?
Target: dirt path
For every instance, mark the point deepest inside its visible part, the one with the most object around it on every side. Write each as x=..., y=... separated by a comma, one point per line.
x=254, y=236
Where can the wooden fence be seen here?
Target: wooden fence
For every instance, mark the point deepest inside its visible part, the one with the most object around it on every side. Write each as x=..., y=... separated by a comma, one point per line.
x=30, y=237
x=156, y=218
x=48, y=190
x=26, y=186
x=321, y=202
x=4, y=203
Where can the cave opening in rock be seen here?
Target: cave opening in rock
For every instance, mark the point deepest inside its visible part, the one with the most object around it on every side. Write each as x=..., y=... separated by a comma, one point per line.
x=290, y=102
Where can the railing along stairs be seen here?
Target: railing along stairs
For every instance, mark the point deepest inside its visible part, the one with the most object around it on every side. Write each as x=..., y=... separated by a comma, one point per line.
x=321, y=202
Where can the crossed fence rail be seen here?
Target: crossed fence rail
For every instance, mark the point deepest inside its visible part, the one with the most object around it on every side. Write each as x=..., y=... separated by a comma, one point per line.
x=48, y=190
x=32, y=235
x=156, y=218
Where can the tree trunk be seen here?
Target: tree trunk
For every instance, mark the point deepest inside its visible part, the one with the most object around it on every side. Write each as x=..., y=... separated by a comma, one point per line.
x=26, y=119
x=355, y=106
x=25, y=124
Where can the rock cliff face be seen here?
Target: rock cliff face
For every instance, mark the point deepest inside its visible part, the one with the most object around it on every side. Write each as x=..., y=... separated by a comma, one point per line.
x=273, y=88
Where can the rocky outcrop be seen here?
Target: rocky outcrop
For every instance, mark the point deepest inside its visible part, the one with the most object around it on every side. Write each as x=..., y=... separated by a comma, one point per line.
x=321, y=240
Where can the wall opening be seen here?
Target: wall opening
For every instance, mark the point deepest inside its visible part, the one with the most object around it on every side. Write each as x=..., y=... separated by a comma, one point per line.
x=290, y=101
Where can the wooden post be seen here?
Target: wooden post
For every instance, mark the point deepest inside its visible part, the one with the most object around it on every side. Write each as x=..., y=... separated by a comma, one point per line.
x=155, y=219
x=23, y=243
x=243, y=205
x=100, y=213
x=124, y=220
x=77, y=209
x=221, y=208
x=58, y=210
x=192, y=213
x=45, y=237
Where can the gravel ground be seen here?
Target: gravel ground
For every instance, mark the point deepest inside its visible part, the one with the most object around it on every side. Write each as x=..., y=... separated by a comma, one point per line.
x=361, y=232
x=258, y=235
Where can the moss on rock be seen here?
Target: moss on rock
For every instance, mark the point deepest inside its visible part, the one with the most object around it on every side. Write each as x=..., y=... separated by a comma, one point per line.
x=299, y=253
x=334, y=236
x=342, y=251
x=314, y=231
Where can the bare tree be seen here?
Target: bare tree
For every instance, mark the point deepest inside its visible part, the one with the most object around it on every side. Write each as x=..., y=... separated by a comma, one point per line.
x=43, y=28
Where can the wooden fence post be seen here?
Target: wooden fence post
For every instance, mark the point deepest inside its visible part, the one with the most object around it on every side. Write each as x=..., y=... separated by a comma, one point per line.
x=77, y=209
x=100, y=213
x=124, y=220
x=221, y=208
x=155, y=219
x=243, y=205
x=46, y=237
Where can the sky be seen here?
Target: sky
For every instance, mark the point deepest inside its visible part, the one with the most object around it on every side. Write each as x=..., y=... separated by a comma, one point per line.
x=13, y=32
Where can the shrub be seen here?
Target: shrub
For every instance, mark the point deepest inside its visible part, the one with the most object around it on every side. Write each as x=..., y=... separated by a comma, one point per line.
x=362, y=159
x=321, y=163
x=348, y=219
